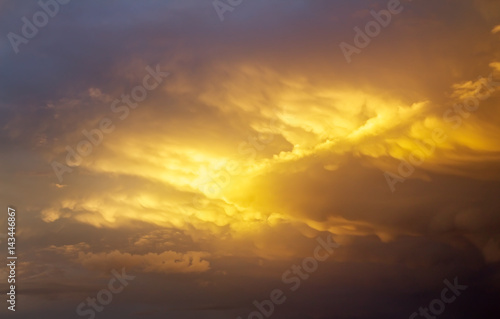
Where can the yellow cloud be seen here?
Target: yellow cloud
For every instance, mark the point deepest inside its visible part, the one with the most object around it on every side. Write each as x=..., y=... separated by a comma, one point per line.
x=165, y=262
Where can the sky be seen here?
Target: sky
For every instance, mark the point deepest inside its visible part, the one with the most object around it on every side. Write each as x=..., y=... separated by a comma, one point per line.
x=251, y=159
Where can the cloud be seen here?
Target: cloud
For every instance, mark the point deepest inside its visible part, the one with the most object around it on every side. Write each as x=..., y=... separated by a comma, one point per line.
x=69, y=249
x=166, y=262
x=291, y=141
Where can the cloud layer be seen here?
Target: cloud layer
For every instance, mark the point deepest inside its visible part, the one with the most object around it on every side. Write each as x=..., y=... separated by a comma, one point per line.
x=261, y=138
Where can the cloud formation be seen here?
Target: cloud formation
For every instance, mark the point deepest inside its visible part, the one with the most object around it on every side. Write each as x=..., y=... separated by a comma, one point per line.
x=261, y=139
